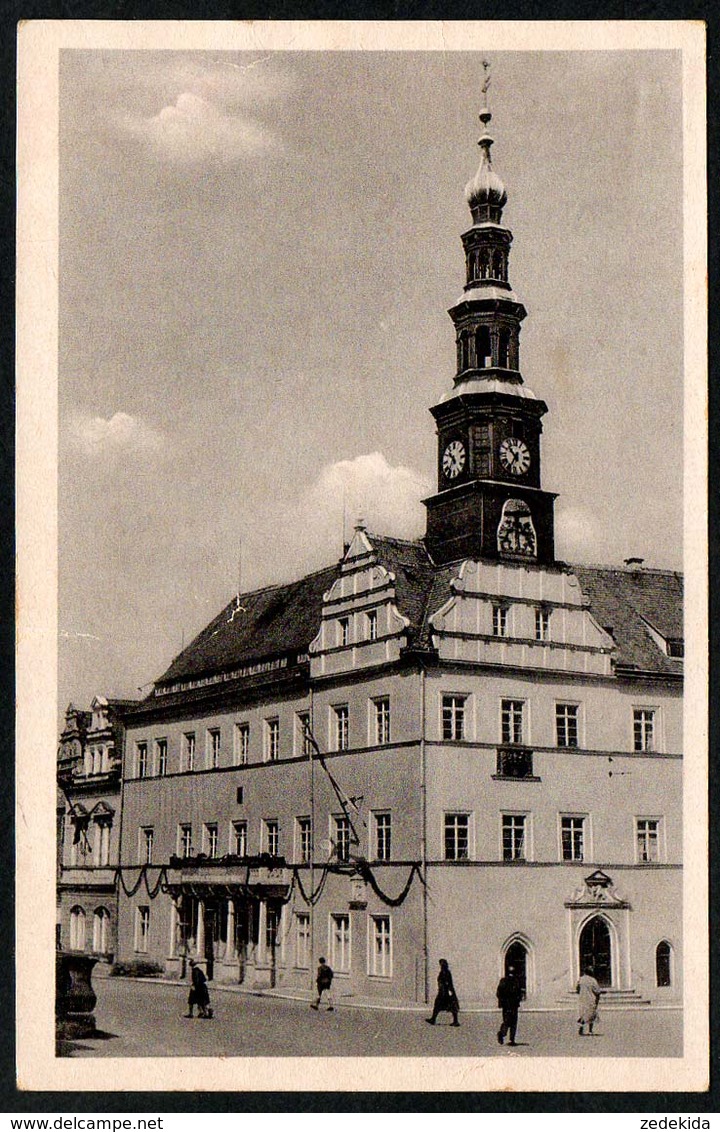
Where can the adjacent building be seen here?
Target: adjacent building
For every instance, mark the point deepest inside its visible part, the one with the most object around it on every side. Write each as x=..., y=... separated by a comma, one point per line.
x=88, y=829
x=456, y=746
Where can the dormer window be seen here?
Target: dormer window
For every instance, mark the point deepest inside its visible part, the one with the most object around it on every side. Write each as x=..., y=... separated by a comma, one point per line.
x=675, y=647
x=372, y=625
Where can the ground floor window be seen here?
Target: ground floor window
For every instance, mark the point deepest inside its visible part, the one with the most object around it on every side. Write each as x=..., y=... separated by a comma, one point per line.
x=101, y=929
x=381, y=946
x=142, y=929
x=77, y=929
x=340, y=942
x=663, y=964
x=302, y=940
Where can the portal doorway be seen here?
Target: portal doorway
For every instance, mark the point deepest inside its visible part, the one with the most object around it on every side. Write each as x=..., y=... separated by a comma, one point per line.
x=596, y=950
x=516, y=957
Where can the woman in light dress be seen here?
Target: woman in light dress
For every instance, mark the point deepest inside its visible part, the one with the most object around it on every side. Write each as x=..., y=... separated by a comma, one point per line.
x=589, y=991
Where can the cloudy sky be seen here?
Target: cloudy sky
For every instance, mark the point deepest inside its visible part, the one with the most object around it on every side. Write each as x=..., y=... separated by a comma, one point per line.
x=257, y=254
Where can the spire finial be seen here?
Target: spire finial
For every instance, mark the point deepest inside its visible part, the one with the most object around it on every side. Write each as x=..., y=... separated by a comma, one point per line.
x=485, y=114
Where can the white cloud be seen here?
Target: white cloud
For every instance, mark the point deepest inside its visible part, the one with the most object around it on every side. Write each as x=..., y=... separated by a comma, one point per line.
x=194, y=129
x=311, y=532
x=120, y=433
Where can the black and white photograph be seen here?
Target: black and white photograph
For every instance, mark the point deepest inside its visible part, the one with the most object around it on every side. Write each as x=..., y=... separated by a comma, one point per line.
x=362, y=510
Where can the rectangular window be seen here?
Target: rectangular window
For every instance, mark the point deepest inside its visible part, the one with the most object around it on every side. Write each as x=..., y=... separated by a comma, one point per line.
x=302, y=940
x=648, y=839
x=542, y=624
x=500, y=620
x=147, y=839
x=566, y=725
x=341, y=837
x=189, y=751
x=213, y=748
x=272, y=837
x=343, y=631
x=372, y=625
x=643, y=729
x=142, y=929
x=382, y=720
x=303, y=852
x=141, y=759
x=184, y=840
x=381, y=946
x=238, y=842
x=340, y=942
x=457, y=837
x=341, y=720
x=210, y=839
x=513, y=837
x=272, y=931
x=572, y=835
x=303, y=746
x=511, y=720
x=272, y=740
x=161, y=757
x=103, y=843
x=383, y=836
x=453, y=717
x=241, y=743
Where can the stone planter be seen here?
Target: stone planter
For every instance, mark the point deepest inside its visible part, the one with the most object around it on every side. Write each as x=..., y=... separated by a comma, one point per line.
x=74, y=995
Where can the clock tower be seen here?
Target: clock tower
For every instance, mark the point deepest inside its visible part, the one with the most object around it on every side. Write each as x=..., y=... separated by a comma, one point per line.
x=489, y=502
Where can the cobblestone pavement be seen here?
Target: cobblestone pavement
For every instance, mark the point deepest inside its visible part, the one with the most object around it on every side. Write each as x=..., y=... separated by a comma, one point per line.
x=145, y=1019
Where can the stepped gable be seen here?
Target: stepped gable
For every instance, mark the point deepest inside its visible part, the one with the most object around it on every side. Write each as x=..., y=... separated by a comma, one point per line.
x=414, y=575
x=622, y=600
x=274, y=620
x=279, y=620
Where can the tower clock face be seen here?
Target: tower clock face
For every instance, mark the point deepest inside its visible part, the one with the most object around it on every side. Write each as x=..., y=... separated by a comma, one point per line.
x=514, y=456
x=453, y=460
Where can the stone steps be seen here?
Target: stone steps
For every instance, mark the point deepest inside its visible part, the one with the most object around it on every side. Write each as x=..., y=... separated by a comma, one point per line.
x=611, y=998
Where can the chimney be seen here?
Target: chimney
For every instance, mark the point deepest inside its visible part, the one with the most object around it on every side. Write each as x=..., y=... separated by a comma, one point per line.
x=637, y=562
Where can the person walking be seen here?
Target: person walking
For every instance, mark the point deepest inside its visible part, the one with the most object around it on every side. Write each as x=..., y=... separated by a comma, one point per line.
x=509, y=997
x=446, y=998
x=323, y=983
x=589, y=991
x=199, y=994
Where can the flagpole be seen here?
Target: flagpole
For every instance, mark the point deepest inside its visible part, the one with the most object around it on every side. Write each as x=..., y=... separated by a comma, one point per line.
x=312, y=846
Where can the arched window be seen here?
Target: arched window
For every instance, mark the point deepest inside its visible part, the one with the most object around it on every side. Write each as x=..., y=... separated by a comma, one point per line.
x=497, y=265
x=77, y=929
x=101, y=924
x=663, y=964
x=483, y=348
x=503, y=347
x=462, y=352
x=484, y=264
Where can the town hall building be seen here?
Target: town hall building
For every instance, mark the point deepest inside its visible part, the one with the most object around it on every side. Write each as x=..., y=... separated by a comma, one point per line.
x=457, y=746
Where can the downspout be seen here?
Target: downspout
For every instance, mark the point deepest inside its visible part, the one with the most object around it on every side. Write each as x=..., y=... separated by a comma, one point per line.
x=423, y=833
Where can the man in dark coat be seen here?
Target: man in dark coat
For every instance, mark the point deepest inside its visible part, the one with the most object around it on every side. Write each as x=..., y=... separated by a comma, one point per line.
x=199, y=995
x=509, y=996
x=323, y=982
x=445, y=999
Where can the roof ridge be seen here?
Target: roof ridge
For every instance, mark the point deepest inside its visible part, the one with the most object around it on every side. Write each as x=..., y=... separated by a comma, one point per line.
x=623, y=569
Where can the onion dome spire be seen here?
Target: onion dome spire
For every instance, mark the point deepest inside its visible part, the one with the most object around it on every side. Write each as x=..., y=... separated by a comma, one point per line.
x=485, y=193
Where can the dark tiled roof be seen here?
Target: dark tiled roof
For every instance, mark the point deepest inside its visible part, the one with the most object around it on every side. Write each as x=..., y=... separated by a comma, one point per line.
x=621, y=598
x=277, y=619
x=284, y=619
